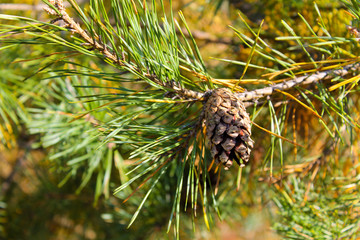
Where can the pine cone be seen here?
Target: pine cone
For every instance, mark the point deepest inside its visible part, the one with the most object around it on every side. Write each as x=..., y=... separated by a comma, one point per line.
x=228, y=128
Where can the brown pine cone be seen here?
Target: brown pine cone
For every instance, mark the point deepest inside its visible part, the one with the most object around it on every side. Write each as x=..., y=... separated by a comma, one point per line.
x=228, y=128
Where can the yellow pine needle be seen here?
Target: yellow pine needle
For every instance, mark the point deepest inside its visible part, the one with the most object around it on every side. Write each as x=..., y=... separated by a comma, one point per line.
x=103, y=26
x=304, y=64
x=338, y=65
x=277, y=73
x=294, y=132
x=340, y=84
x=276, y=135
x=9, y=128
x=134, y=6
x=228, y=84
x=326, y=61
x=198, y=75
x=211, y=164
x=243, y=81
x=217, y=168
x=350, y=14
x=350, y=88
x=144, y=5
x=217, y=183
x=344, y=52
x=7, y=136
x=202, y=202
x=301, y=103
x=203, y=207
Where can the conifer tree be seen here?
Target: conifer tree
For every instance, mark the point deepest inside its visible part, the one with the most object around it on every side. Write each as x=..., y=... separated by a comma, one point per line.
x=118, y=96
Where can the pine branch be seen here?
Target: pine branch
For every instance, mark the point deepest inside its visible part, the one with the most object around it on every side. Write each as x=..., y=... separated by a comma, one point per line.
x=298, y=81
x=304, y=80
x=61, y=14
x=254, y=95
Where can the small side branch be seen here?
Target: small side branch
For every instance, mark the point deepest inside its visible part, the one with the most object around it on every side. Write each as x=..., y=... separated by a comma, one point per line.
x=304, y=80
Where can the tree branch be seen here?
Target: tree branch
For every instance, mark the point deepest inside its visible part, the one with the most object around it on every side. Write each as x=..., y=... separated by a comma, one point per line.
x=304, y=80
x=186, y=93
